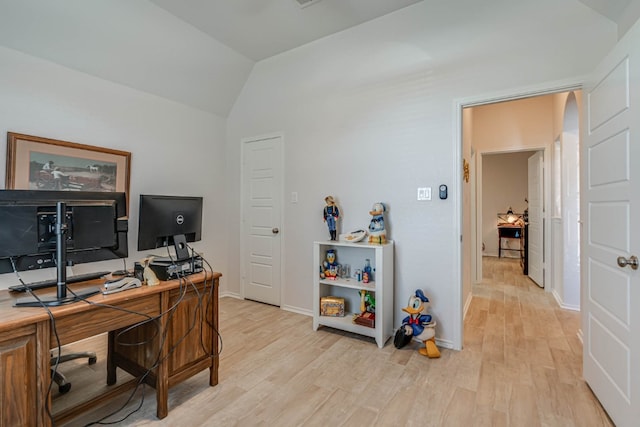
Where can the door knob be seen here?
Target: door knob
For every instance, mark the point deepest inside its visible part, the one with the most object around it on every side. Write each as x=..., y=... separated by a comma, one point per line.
x=275, y=230
x=632, y=262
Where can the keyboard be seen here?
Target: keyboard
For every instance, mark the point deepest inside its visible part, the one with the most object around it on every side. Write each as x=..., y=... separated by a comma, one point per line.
x=50, y=283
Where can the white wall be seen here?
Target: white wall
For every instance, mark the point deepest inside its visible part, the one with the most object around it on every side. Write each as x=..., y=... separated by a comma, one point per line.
x=175, y=149
x=515, y=125
x=368, y=115
x=133, y=43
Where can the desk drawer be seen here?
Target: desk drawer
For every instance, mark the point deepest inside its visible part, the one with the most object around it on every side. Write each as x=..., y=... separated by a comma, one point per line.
x=510, y=232
x=99, y=319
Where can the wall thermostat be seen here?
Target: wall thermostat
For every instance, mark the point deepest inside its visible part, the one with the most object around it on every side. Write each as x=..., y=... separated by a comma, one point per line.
x=442, y=190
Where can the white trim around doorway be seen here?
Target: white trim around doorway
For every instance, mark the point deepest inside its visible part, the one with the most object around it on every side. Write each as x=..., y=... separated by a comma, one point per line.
x=458, y=106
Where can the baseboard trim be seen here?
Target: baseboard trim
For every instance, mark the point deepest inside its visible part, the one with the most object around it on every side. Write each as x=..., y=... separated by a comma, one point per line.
x=562, y=304
x=467, y=304
x=445, y=344
x=297, y=310
x=290, y=308
x=227, y=294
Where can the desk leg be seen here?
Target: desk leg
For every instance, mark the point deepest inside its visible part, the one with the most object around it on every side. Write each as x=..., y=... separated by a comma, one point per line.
x=213, y=370
x=111, y=365
x=43, y=372
x=162, y=374
x=162, y=392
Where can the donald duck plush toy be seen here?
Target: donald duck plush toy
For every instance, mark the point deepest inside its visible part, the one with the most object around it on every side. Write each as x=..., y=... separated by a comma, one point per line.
x=418, y=326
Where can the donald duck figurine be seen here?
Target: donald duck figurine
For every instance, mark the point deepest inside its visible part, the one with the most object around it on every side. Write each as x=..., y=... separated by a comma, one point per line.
x=418, y=326
x=377, y=231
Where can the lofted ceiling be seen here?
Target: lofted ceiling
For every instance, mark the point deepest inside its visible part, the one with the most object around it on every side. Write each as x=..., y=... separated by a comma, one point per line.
x=612, y=9
x=196, y=52
x=259, y=29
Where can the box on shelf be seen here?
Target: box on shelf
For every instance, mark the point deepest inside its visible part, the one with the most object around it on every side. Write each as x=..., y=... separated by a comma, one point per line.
x=332, y=306
x=365, y=319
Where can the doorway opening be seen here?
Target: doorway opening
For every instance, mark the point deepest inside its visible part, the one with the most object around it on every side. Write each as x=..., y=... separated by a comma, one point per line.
x=547, y=123
x=505, y=181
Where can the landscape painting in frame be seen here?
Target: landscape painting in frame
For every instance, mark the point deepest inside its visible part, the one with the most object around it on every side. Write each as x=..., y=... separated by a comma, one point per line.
x=36, y=163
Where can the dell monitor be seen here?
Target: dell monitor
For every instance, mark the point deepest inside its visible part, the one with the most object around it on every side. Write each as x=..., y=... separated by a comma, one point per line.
x=169, y=220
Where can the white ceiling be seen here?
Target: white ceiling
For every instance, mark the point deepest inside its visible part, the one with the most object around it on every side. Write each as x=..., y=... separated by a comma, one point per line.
x=612, y=9
x=259, y=29
x=197, y=52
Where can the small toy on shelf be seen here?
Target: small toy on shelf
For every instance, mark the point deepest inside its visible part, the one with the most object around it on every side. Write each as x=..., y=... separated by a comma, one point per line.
x=344, y=271
x=355, y=236
x=367, y=301
x=331, y=214
x=330, y=265
x=377, y=231
x=367, y=314
x=368, y=271
x=418, y=325
x=332, y=306
x=365, y=319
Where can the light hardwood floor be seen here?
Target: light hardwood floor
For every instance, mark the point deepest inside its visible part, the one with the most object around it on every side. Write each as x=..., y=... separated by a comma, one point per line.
x=520, y=366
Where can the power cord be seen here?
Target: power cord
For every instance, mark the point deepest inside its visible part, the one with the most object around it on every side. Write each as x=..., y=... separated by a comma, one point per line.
x=55, y=334
x=200, y=313
x=124, y=271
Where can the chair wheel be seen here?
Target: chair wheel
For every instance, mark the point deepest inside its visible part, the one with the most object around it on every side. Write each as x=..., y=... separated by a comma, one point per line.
x=64, y=388
x=93, y=360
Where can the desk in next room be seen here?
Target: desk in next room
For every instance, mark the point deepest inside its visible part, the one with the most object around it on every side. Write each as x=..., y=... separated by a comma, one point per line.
x=177, y=352
x=510, y=232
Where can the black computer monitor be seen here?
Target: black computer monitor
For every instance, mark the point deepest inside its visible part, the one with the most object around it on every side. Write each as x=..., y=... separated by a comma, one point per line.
x=97, y=227
x=40, y=229
x=162, y=218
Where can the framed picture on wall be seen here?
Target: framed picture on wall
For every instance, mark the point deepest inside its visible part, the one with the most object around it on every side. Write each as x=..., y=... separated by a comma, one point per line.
x=36, y=163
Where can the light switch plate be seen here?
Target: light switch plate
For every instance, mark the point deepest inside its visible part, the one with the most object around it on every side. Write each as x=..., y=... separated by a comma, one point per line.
x=424, y=193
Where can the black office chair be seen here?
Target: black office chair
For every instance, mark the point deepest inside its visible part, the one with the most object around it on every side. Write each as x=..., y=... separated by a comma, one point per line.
x=63, y=385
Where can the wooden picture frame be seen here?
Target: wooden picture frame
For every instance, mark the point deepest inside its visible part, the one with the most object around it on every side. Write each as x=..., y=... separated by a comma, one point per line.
x=36, y=163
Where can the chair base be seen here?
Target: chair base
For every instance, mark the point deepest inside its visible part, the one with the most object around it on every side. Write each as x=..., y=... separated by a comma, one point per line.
x=63, y=385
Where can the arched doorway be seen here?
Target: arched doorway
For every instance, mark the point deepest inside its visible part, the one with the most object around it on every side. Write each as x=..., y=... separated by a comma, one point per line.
x=566, y=208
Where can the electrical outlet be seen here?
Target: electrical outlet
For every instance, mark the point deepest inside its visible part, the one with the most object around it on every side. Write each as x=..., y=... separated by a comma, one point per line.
x=424, y=193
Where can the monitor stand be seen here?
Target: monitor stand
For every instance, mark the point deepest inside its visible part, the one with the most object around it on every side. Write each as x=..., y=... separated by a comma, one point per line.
x=61, y=265
x=182, y=249
x=54, y=300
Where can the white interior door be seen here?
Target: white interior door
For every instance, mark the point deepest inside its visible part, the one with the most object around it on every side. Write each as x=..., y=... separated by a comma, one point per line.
x=261, y=219
x=535, y=238
x=610, y=188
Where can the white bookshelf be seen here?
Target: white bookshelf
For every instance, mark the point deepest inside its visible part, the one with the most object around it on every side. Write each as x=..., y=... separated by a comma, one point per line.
x=355, y=254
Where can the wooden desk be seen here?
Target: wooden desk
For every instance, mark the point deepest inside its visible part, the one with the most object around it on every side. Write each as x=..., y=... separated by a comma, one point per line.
x=510, y=232
x=178, y=351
